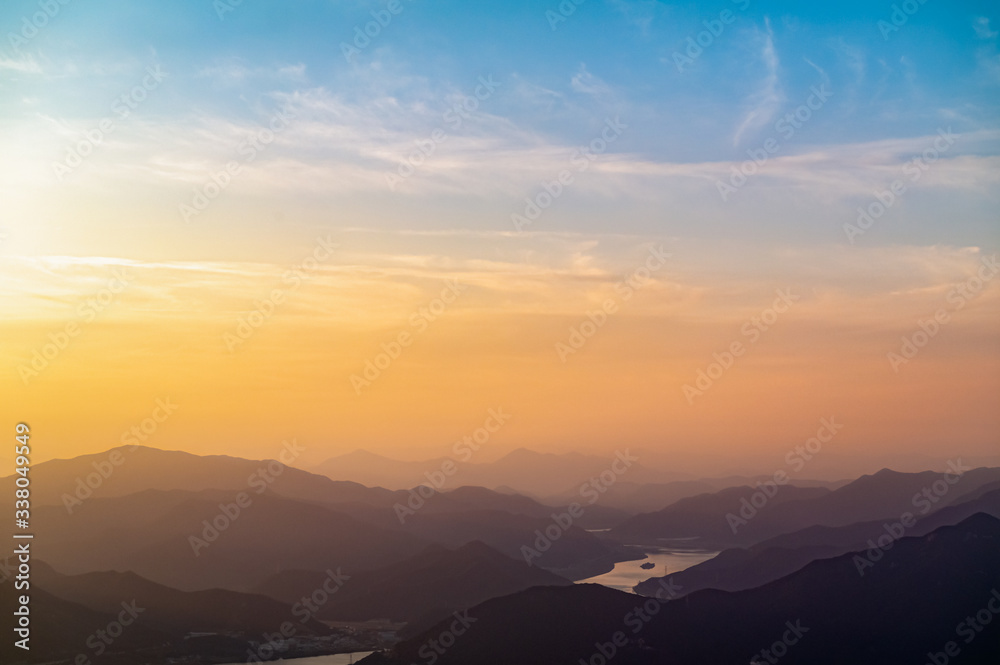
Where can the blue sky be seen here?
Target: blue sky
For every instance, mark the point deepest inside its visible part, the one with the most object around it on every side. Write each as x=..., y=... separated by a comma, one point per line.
x=559, y=82
x=307, y=143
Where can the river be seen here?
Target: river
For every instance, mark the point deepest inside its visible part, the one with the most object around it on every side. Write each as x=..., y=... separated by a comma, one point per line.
x=336, y=659
x=626, y=574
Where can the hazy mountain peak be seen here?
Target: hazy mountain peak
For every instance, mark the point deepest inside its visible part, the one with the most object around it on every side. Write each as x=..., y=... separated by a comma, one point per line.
x=362, y=454
x=886, y=472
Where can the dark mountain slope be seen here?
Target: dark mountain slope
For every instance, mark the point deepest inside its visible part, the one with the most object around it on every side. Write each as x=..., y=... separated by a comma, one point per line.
x=908, y=604
x=438, y=579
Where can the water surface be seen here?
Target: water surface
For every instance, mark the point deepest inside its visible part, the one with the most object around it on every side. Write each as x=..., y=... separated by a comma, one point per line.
x=627, y=574
x=336, y=659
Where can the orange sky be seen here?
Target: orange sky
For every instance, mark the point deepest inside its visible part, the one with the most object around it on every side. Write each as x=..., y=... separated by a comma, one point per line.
x=164, y=336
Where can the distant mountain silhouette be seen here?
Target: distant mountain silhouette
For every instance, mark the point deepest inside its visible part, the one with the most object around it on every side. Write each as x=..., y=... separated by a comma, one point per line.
x=966, y=492
x=704, y=517
x=323, y=523
x=975, y=502
x=636, y=498
x=522, y=470
x=150, y=534
x=437, y=579
x=165, y=526
x=375, y=470
x=738, y=569
x=147, y=468
x=909, y=604
x=465, y=499
x=884, y=495
x=468, y=498
x=576, y=554
x=72, y=482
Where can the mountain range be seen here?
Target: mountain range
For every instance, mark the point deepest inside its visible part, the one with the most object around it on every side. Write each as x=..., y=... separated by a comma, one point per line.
x=522, y=471
x=746, y=515
x=216, y=550
x=912, y=604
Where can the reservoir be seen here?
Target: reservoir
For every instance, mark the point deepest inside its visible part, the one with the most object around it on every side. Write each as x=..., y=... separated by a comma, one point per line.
x=626, y=574
x=336, y=659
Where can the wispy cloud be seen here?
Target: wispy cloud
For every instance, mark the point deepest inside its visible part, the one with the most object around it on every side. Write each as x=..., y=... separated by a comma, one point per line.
x=585, y=82
x=987, y=58
x=982, y=27
x=769, y=97
x=334, y=146
x=235, y=71
x=573, y=270
x=640, y=13
x=25, y=64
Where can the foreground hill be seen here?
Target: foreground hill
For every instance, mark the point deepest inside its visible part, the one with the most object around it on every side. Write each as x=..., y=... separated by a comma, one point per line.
x=122, y=619
x=438, y=580
x=913, y=602
x=62, y=631
x=173, y=611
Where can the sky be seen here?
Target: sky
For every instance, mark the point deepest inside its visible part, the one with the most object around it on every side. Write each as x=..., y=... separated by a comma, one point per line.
x=693, y=229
